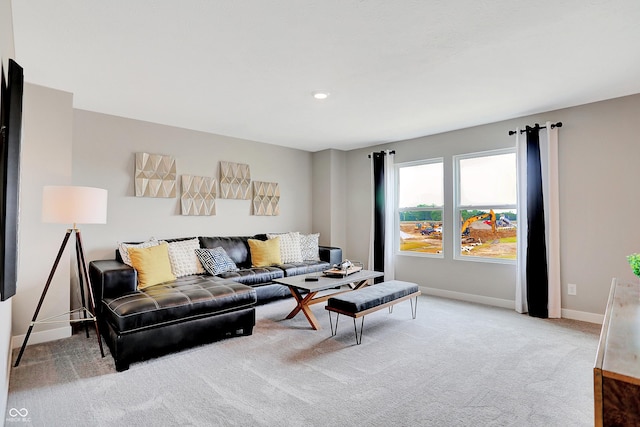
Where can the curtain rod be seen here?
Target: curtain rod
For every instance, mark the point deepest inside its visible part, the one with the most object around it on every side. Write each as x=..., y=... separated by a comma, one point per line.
x=537, y=126
x=384, y=152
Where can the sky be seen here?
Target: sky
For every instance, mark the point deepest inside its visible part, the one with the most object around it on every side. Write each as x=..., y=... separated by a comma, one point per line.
x=484, y=180
x=421, y=184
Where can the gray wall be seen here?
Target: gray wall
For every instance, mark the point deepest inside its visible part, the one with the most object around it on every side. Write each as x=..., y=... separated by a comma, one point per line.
x=6, y=52
x=330, y=197
x=104, y=150
x=46, y=160
x=598, y=155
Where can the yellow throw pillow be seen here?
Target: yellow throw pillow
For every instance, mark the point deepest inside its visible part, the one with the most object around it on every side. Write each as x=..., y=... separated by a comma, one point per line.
x=152, y=265
x=265, y=252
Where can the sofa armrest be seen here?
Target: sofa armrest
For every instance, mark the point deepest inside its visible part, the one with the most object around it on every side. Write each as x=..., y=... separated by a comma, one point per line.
x=330, y=254
x=111, y=278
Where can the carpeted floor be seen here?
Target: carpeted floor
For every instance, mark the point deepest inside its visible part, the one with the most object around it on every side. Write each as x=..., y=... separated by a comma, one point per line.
x=457, y=364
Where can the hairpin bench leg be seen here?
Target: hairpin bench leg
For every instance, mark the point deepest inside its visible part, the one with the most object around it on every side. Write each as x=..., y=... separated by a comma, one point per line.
x=358, y=339
x=334, y=331
x=414, y=308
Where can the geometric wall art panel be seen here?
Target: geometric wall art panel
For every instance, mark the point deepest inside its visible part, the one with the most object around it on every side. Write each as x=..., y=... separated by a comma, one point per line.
x=266, y=198
x=235, y=180
x=198, y=195
x=155, y=175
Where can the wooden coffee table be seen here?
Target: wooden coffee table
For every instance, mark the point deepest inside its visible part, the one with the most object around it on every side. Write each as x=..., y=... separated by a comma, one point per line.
x=297, y=284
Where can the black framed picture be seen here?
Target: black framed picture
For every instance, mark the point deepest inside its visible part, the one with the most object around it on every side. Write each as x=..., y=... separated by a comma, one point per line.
x=10, y=137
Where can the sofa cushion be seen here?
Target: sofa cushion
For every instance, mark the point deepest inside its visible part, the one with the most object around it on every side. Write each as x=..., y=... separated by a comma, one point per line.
x=254, y=276
x=216, y=260
x=152, y=265
x=178, y=300
x=182, y=255
x=265, y=253
x=236, y=247
x=372, y=296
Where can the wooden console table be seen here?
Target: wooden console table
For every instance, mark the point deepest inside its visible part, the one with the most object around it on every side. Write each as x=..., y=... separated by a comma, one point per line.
x=616, y=375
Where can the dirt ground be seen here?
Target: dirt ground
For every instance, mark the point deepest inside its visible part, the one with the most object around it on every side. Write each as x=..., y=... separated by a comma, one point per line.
x=481, y=241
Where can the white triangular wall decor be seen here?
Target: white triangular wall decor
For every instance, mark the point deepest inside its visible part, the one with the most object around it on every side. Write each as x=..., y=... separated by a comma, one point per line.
x=155, y=175
x=198, y=195
x=235, y=180
x=266, y=198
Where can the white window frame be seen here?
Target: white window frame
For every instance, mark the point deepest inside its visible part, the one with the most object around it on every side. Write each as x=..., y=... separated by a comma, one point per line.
x=397, y=209
x=457, y=247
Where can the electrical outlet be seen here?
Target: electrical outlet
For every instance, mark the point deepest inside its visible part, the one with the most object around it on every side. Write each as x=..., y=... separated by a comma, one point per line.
x=572, y=288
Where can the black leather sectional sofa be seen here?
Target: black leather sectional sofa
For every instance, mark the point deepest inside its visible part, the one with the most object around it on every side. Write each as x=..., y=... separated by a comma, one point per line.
x=139, y=324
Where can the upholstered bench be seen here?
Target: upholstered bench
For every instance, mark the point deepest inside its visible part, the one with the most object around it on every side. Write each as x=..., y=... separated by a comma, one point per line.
x=369, y=299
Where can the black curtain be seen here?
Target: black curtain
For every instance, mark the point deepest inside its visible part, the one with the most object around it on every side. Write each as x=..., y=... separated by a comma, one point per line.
x=378, y=213
x=537, y=276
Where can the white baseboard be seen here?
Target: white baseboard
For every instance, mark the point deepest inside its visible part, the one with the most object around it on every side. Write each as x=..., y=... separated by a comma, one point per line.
x=505, y=303
x=583, y=316
x=479, y=299
x=42, y=336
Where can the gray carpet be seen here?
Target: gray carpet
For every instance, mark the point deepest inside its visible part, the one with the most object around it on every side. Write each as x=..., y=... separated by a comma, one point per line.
x=457, y=364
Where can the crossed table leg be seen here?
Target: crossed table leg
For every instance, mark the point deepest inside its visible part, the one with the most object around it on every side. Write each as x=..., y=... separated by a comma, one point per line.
x=305, y=302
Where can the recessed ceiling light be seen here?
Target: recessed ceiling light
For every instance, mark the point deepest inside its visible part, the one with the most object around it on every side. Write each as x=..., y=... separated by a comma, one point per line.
x=320, y=94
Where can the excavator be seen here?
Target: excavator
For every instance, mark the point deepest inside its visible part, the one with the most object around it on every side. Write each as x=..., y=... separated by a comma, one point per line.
x=491, y=215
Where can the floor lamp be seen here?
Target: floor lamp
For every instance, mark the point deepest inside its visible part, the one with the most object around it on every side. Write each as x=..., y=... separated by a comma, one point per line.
x=71, y=205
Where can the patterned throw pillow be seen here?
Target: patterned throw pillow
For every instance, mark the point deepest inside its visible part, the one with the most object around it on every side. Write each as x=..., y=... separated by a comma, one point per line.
x=289, y=246
x=123, y=248
x=184, y=260
x=309, y=246
x=216, y=260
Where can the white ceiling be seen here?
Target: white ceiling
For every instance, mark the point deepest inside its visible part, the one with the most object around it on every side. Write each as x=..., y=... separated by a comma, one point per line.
x=396, y=69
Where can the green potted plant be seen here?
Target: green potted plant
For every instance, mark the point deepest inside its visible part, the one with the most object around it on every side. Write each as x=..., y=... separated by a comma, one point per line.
x=634, y=262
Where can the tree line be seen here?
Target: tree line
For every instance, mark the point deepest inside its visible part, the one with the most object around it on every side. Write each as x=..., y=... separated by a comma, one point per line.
x=436, y=214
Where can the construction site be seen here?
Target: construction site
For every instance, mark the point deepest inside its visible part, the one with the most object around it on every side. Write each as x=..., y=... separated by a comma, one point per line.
x=484, y=235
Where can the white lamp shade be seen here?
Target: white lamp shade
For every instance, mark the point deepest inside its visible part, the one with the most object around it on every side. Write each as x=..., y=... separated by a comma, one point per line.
x=74, y=205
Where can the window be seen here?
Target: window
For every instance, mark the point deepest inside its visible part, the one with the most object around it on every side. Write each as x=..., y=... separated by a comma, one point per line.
x=486, y=205
x=420, y=204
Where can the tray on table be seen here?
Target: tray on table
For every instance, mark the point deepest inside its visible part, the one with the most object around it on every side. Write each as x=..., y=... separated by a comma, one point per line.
x=339, y=272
